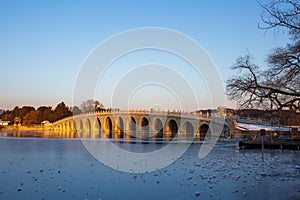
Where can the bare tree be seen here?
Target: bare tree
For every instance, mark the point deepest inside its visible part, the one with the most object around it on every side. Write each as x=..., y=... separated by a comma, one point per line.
x=282, y=13
x=278, y=86
x=91, y=105
x=265, y=89
x=76, y=110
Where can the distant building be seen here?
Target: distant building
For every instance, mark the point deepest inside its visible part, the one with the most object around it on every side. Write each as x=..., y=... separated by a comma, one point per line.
x=219, y=112
x=17, y=121
x=45, y=123
x=4, y=123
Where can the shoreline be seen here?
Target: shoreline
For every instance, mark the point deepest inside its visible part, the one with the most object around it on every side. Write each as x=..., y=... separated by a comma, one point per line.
x=241, y=143
x=23, y=128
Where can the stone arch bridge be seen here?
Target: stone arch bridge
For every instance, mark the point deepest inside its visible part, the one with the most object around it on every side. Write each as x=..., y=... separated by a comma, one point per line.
x=135, y=124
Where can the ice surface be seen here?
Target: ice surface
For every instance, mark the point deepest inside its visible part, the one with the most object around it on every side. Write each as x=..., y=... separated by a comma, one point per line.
x=41, y=168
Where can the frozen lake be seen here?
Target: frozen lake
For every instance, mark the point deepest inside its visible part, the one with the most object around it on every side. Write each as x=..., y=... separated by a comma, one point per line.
x=49, y=168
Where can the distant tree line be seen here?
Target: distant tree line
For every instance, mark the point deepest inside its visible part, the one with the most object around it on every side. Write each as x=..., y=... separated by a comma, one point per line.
x=279, y=117
x=28, y=115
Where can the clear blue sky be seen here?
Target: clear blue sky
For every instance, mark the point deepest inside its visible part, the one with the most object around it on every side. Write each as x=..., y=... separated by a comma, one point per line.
x=43, y=43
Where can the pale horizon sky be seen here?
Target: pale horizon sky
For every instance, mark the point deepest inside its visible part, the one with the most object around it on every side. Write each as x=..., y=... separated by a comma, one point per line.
x=44, y=43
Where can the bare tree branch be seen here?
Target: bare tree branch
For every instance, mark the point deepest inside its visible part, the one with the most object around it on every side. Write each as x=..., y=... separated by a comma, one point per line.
x=283, y=13
x=277, y=87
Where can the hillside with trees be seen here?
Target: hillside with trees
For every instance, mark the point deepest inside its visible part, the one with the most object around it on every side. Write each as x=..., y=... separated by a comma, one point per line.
x=28, y=115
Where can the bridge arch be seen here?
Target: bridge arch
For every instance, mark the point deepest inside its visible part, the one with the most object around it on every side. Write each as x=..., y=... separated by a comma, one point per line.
x=87, y=128
x=67, y=131
x=108, y=127
x=120, y=128
x=158, y=128
x=79, y=128
x=188, y=130
x=73, y=128
x=64, y=126
x=172, y=128
x=203, y=130
x=68, y=125
x=132, y=127
x=144, y=122
x=97, y=128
